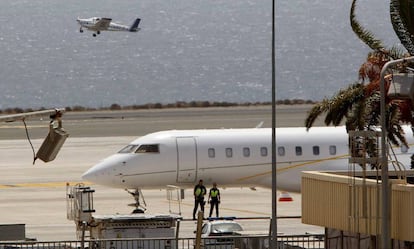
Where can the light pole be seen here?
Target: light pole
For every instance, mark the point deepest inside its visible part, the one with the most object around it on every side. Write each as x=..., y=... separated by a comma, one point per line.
x=273, y=239
x=385, y=202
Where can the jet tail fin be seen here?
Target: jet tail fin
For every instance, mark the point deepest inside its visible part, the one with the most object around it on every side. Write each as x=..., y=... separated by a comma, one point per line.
x=134, y=26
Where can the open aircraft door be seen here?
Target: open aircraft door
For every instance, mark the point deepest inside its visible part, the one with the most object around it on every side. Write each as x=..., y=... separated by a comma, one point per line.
x=186, y=160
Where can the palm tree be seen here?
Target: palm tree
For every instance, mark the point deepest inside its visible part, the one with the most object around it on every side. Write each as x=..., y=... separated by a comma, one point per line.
x=359, y=103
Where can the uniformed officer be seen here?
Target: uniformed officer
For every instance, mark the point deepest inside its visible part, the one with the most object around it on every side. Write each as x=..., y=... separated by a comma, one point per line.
x=199, y=193
x=214, y=199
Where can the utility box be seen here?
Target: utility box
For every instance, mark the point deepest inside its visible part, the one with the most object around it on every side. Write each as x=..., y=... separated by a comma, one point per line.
x=12, y=232
x=52, y=144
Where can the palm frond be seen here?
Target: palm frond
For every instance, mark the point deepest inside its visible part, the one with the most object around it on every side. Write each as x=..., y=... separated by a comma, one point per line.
x=396, y=52
x=337, y=107
x=400, y=20
x=373, y=114
x=315, y=112
x=342, y=103
x=364, y=35
x=393, y=126
x=359, y=114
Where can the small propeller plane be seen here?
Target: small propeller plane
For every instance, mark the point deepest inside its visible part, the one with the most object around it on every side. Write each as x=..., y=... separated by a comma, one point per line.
x=98, y=24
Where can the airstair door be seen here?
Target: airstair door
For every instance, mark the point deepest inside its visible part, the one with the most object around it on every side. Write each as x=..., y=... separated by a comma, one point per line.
x=187, y=160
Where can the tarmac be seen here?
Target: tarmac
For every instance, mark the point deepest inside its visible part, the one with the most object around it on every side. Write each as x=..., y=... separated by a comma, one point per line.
x=35, y=195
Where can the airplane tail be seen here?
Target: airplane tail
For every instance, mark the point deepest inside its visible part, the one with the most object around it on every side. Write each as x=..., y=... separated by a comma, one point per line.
x=134, y=26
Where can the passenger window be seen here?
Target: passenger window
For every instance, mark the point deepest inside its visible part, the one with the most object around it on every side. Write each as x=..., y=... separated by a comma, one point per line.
x=298, y=150
x=148, y=148
x=229, y=152
x=211, y=153
x=246, y=152
x=128, y=149
x=281, y=151
x=316, y=150
x=263, y=151
x=332, y=150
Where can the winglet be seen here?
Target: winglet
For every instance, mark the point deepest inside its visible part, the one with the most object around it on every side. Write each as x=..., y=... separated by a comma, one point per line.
x=134, y=26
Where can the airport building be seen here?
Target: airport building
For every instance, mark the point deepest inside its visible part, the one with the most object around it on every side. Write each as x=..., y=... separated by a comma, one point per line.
x=349, y=203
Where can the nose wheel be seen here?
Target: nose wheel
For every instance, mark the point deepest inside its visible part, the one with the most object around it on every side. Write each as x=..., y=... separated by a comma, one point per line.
x=137, y=195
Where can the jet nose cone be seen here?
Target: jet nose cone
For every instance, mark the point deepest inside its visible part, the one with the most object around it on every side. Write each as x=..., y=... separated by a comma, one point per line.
x=107, y=172
x=90, y=175
x=99, y=173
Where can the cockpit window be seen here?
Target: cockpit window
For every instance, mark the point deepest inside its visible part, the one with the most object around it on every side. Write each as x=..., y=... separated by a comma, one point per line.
x=144, y=148
x=129, y=149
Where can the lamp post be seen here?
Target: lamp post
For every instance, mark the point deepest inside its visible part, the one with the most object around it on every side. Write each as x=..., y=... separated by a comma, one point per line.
x=385, y=202
x=273, y=238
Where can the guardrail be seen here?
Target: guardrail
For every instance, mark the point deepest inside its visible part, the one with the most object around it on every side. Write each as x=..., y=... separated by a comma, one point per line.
x=221, y=242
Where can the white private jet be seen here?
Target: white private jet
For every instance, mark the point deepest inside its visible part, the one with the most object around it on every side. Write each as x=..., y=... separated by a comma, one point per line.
x=98, y=24
x=229, y=157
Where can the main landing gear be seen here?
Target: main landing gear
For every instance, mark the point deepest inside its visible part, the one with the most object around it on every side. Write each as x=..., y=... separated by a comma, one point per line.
x=93, y=34
x=137, y=194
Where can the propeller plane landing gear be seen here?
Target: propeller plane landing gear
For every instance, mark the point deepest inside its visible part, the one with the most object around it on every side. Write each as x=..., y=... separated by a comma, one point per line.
x=97, y=33
x=137, y=194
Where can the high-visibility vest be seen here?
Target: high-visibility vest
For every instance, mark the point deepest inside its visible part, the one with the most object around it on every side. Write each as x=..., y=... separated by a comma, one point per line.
x=214, y=193
x=199, y=191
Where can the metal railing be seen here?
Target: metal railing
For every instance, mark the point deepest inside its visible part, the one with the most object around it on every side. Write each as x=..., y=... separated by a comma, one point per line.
x=222, y=242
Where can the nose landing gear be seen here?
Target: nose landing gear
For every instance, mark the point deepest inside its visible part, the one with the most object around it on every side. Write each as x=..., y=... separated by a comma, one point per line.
x=137, y=194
